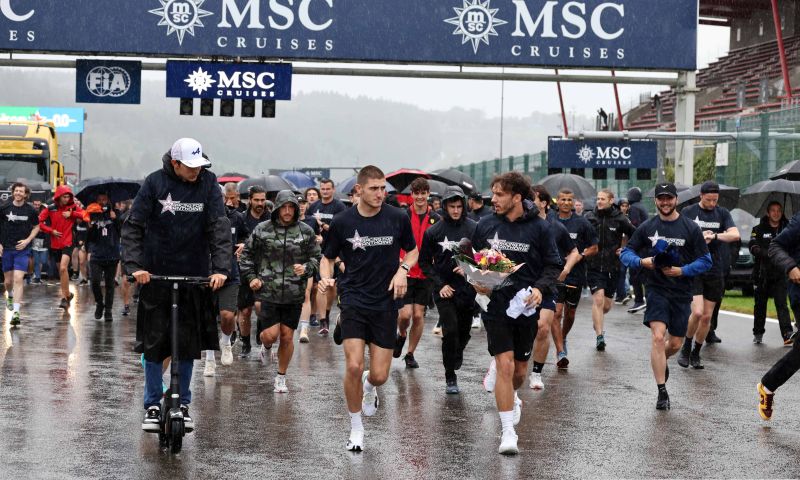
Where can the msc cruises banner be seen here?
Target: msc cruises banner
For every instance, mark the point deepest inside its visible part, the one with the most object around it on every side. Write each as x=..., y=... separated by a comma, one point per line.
x=566, y=153
x=632, y=34
x=254, y=81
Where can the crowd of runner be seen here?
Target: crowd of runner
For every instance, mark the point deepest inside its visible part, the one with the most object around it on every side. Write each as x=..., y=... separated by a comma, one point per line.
x=293, y=258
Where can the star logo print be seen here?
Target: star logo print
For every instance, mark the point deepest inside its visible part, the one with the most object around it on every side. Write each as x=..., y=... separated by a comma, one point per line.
x=495, y=242
x=357, y=241
x=655, y=238
x=448, y=244
x=169, y=205
x=698, y=221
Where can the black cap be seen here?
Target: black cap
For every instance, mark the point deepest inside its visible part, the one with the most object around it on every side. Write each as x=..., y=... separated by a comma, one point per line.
x=666, y=189
x=476, y=195
x=709, y=186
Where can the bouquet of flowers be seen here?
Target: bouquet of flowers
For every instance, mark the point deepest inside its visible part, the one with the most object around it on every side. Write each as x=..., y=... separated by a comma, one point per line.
x=487, y=268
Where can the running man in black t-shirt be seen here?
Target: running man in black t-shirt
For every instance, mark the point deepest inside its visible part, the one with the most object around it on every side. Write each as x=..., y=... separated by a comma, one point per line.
x=19, y=224
x=368, y=239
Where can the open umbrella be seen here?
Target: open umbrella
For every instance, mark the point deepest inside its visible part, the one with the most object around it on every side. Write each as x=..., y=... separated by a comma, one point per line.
x=402, y=178
x=678, y=186
x=581, y=187
x=728, y=197
x=452, y=176
x=270, y=183
x=298, y=179
x=790, y=171
x=231, y=177
x=118, y=189
x=437, y=188
x=756, y=198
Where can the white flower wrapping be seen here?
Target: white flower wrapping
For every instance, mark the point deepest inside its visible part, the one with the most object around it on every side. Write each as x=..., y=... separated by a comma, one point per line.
x=486, y=278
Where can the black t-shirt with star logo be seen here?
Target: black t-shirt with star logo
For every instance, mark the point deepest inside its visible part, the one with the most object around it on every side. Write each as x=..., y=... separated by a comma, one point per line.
x=718, y=220
x=16, y=223
x=370, y=249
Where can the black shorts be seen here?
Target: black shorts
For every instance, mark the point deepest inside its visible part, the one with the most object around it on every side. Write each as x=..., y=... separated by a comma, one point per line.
x=504, y=336
x=57, y=254
x=569, y=294
x=378, y=327
x=225, y=297
x=419, y=292
x=671, y=311
x=272, y=314
x=711, y=287
x=598, y=280
x=246, y=297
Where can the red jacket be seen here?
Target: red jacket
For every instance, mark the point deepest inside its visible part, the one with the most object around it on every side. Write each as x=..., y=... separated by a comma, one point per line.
x=55, y=213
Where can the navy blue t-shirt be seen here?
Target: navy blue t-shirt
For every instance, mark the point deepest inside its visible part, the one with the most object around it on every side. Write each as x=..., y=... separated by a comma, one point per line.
x=370, y=249
x=325, y=212
x=718, y=220
x=584, y=235
x=16, y=223
x=564, y=243
x=683, y=233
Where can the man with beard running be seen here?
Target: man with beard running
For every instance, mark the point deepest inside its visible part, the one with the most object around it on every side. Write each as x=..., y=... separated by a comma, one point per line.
x=278, y=258
x=708, y=289
x=668, y=273
x=368, y=239
x=516, y=230
x=256, y=213
x=455, y=298
x=58, y=220
x=603, y=269
x=19, y=225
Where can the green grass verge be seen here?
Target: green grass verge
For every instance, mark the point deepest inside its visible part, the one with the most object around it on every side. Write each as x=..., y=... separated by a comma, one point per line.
x=736, y=302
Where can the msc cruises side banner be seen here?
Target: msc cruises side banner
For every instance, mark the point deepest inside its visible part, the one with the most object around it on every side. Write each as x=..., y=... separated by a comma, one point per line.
x=626, y=34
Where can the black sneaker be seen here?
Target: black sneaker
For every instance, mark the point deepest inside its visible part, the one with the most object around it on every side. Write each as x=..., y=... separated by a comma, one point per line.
x=64, y=304
x=452, y=387
x=74, y=276
x=188, y=423
x=152, y=419
x=98, y=311
x=683, y=358
x=410, y=362
x=663, y=401
x=126, y=310
x=712, y=337
x=399, y=342
x=83, y=282
x=337, y=332
x=246, y=349
x=15, y=319
x=108, y=316
x=637, y=307
x=696, y=361
x=36, y=281
x=324, y=327
x=313, y=322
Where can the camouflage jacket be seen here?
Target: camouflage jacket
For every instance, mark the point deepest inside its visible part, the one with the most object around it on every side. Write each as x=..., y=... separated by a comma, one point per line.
x=270, y=253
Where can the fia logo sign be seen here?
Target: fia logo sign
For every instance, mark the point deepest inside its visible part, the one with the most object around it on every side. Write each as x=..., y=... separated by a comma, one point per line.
x=108, y=81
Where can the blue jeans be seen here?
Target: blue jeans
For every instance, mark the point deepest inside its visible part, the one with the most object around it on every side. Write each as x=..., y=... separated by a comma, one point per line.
x=39, y=261
x=153, y=391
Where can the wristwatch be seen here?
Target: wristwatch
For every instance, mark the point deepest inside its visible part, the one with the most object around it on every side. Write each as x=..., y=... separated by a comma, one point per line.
x=405, y=267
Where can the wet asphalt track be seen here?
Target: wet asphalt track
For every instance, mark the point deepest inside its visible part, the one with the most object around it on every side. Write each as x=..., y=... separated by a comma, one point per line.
x=71, y=396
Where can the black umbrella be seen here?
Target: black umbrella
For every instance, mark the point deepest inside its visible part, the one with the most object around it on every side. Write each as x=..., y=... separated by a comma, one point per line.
x=790, y=171
x=270, y=183
x=118, y=189
x=678, y=186
x=402, y=178
x=581, y=187
x=728, y=197
x=452, y=176
x=756, y=198
x=437, y=188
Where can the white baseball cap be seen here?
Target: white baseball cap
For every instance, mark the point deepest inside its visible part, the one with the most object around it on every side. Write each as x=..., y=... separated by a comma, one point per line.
x=189, y=152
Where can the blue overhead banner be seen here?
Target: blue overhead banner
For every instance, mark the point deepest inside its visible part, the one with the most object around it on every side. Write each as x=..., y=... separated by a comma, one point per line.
x=66, y=120
x=108, y=81
x=619, y=34
x=249, y=81
x=567, y=153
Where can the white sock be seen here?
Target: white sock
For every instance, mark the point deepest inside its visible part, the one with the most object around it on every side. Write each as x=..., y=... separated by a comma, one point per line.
x=355, y=421
x=210, y=355
x=766, y=389
x=226, y=339
x=368, y=387
x=16, y=307
x=507, y=421
x=303, y=323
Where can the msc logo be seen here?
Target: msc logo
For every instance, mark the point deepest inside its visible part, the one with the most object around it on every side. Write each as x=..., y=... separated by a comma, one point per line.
x=108, y=81
x=9, y=13
x=181, y=16
x=475, y=22
x=586, y=154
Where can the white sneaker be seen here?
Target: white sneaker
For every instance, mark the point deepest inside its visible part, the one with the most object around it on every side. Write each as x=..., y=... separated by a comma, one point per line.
x=226, y=358
x=211, y=368
x=508, y=443
x=280, y=384
x=304, y=335
x=263, y=354
x=536, y=381
x=517, y=410
x=476, y=322
x=491, y=377
x=356, y=441
x=437, y=330
x=369, y=402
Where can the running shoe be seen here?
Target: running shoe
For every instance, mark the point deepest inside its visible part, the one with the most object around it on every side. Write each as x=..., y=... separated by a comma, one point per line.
x=491, y=377
x=152, y=419
x=108, y=316
x=508, y=443
x=280, y=384
x=452, y=387
x=476, y=323
x=188, y=423
x=410, y=361
x=324, y=327
x=64, y=304
x=517, y=409
x=437, y=329
x=399, y=342
x=15, y=319
x=211, y=368
x=765, y=402
x=663, y=400
x=788, y=340
x=313, y=321
x=83, y=282
x=226, y=358
x=263, y=354
x=683, y=357
x=601, y=342
x=369, y=402
x=246, y=349
x=356, y=441
x=304, y=334
x=712, y=337
x=563, y=361
x=10, y=304
x=536, y=381
x=618, y=301
x=337, y=331
x=627, y=299
x=758, y=338
x=637, y=307
x=36, y=281
x=126, y=310
x=696, y=361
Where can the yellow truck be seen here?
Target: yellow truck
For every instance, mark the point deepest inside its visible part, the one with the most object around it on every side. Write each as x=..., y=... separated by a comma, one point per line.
x=29, y=153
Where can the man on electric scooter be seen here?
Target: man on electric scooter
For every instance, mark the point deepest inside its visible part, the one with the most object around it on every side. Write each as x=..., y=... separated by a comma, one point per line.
x=177, y=220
